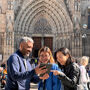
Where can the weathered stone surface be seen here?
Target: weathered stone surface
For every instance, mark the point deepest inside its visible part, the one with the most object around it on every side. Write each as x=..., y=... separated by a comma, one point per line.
x=55, y=23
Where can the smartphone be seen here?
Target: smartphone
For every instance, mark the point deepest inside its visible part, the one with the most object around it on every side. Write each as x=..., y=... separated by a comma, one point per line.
x=48, y=67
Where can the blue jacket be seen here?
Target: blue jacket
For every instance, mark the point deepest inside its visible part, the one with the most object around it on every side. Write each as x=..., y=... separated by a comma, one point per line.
x=52, y=83
x=17, y=76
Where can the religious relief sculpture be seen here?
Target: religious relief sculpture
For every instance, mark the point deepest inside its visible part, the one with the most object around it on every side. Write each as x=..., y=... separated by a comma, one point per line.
x=10, y=4
x=9, y=23
x=42, y=26
x=10, y=26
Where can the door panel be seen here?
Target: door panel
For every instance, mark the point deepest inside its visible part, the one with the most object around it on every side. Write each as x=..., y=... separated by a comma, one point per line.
x=48, y=41
x=37, y=46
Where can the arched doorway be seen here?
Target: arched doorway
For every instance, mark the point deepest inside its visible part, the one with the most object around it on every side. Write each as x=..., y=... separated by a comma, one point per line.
x=42, y=20
x=40, y=42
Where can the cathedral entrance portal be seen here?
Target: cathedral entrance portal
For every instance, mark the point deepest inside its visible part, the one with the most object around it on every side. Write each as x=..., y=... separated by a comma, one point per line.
x=40, y=42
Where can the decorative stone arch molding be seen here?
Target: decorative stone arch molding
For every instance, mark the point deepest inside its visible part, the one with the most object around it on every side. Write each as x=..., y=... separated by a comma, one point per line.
x=54, y=12
x=42, y=26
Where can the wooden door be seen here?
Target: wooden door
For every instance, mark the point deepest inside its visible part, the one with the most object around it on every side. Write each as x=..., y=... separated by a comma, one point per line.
x=37, y=46
x=47, y=41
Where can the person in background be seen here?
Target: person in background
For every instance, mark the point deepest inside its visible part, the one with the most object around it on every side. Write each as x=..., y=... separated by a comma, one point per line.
x=36, y=61
x=19, y=70
x=89, y=72
x=4, y=75
x=1, y=69
x=84, y=79
x=52, y=83
x=32, y=62
x=70, y=70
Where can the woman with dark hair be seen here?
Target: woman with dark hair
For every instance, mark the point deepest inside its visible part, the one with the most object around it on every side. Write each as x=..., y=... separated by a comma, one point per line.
x=70, y=70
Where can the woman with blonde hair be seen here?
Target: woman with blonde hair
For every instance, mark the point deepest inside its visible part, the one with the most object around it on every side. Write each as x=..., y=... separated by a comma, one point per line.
x=47, y=50
x=52, y=83
x=84, y=77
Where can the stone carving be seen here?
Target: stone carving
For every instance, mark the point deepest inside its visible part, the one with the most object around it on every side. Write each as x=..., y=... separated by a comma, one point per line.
x=42, y=26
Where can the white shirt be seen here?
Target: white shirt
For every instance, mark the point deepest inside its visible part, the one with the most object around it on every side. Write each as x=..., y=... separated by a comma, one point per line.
x=83, y=76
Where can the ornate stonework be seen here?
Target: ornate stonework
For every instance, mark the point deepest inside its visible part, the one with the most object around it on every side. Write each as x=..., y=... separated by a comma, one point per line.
x=55, y=23
x=42, y=26
x=6, y=28
x=50, y=11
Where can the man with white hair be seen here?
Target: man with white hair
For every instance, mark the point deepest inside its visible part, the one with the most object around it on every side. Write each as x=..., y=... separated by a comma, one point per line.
x=19, y=70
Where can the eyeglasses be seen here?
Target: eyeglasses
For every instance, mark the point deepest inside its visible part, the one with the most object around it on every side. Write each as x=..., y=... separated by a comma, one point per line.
x=44, y=56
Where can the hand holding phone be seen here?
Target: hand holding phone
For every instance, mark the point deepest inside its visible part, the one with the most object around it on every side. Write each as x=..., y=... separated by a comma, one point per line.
x=48, y=67
x=39, y=70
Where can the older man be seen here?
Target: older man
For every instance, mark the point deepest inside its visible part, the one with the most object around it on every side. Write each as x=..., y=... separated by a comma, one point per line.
x=19, y=70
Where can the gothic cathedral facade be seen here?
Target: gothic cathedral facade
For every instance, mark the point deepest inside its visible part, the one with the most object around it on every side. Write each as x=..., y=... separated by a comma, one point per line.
x=52, y=23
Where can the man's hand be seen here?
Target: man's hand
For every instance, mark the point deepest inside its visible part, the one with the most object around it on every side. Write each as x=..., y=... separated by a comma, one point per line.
x=40, y=70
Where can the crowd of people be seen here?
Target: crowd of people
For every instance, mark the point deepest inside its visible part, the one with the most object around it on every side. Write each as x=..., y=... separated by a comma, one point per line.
x=3, y=75
x=65, y=73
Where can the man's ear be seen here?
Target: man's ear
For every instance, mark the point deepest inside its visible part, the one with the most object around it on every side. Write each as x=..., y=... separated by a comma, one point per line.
x=20, y=46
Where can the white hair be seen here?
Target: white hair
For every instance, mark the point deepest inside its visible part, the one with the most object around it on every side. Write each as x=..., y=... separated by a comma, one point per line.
x=84, y=59
x=26, y=39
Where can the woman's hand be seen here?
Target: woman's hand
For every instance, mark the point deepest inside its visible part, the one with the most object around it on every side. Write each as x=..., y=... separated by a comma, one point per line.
x=55, y=72
x=45, y=76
